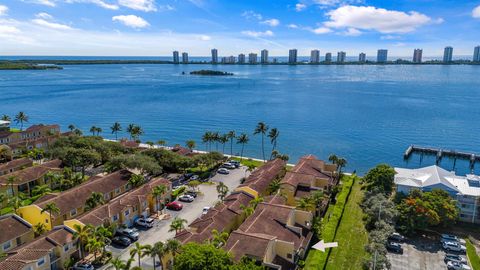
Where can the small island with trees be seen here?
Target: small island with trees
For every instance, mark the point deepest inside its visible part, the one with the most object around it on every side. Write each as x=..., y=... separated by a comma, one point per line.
x=211, y=73
x=25, y=66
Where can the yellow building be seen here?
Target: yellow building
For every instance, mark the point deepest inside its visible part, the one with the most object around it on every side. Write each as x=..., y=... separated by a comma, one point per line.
x=15, y=231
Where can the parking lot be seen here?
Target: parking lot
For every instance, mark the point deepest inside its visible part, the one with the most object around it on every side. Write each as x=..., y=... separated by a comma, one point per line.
x=420, y=253
x=190, y=212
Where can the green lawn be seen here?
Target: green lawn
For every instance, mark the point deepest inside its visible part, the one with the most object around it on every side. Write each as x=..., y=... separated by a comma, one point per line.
x=247, y=162
x=473, y=256
x=351, y=235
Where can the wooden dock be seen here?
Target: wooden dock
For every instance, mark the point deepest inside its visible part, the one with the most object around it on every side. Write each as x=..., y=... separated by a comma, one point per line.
x=439, y=153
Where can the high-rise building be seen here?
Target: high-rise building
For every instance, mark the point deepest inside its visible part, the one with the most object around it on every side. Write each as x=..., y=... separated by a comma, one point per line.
x=448, y=54
x=176, y=58
x=382, y=56
x=315, y=56
x=214, y=56
x=252, y=58
x=341, y=57
x=292, y=56
x=476, y=54
x=362, y=58
x=185, y=58
x=417, y=55
x=264, y=57
x=231, y=59
x=328, y=57
x=241, y=58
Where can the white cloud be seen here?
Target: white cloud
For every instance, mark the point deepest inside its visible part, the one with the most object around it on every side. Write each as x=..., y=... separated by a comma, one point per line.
x=476, y=12
x=8, y=29
x=327, y=2
x=321, y=30
x=52, y=25
x=204, y=37
x=352, y=32
x=44, y=15
x=3, y=10
x=49, y=3
x=165, y=8
x=378, y=19
x=271, y=22
x=99, y=3
x=299, y=7
x=142, y=5
x=249, y=15
x=131, y=21
x=292, y=26
x=389, y=37
x=256, y=34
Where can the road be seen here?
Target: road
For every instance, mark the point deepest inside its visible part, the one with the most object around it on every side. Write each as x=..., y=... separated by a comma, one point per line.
x=190, y=212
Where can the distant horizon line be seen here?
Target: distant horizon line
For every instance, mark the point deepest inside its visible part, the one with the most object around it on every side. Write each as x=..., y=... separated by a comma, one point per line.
x=220, y=56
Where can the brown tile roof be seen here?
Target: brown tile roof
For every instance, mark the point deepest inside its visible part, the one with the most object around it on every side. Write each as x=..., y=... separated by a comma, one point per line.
x=76, y=197
x=33, y=251
x=261, y=178
x=248, y=244
x=16, y=164
x=13, y=226
x=135, y=197
x=307, y=170
x=181, y=150
x=31, y=173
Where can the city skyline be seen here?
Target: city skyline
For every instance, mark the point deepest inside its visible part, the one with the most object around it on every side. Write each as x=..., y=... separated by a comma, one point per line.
x=151, y=28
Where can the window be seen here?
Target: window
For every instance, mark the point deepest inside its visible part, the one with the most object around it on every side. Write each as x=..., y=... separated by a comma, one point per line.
x=65, y=248
x=7, y=245
x=115, y=218
x=127, y=212
x=41, y=261
x=28, y=268
x=73, y=212
x=134, y=209
x=117, y=190
x=289, y=255
x=106, y=197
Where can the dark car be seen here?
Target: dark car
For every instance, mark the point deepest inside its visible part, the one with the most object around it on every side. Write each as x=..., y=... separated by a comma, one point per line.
x=175, y=206
x=130, y=233
x=122, y=241
x=394, y=247
x=454, y=258
x=396, y=237
x=235, y=162
x=83, y=266
x=192, y=193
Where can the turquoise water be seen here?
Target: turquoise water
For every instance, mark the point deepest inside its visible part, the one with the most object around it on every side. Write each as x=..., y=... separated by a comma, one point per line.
x=368, y=114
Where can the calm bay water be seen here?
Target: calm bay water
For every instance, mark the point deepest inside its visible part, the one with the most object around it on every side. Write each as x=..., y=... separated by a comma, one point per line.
x=368, y=114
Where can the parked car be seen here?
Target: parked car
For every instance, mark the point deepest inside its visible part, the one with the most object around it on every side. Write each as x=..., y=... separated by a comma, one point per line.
x=175, y=206
x=394, y=247
x=145, y=222
x=235, y=162
x=396, y=237
x=457, y=266
x=194, y=177
x=83, y=266
x=186, y=198
x=452, y=238
x=205, y=210
x=130, y=233
x=454, y=246
x=454, y=258
x=229, y=165
x=223, y=171
x=122, y=241
x=192, y=193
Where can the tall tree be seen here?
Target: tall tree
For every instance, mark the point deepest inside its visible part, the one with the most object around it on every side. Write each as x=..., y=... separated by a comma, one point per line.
x=273, y=135
x=223, y=139
x=139, y=251
x=341, y=163
x=216, y=139
x=190, y=144
x=95, y=199
x=130, y=130
x=196, y=256
x=6, y=118
x=21, y=118
x=116, y=127
x=173, y=246
x=231, y=136
x=11, y=180
x=82, y=234
x=380, y=178
x=158, y=192
x=93, y=130
x=219, y=239
x=159, y=249
x=39, y=229
x=177, y=225
x=333, y=158
x=136, y=180
x=41, y=190
x=262, y=129
x=99, y=130
x=71, y=127
x=15, y=202
x=242, y=139
x=222, y=190
x=207, y=139
x=51, y=209
x=137, y=131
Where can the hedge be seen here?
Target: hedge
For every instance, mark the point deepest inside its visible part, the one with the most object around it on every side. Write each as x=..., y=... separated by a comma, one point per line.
x=473, y=256
x=317, y=259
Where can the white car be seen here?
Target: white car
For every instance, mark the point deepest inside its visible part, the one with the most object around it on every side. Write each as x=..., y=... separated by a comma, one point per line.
x=205, y=210
x=457, y=266
x=145, y=222
x=452, y=238
x=453, y=246
x=229, y=165
x=186, y=198
x=223, y=171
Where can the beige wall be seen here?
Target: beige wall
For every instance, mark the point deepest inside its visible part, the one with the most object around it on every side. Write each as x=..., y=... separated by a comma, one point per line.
x=283, y=249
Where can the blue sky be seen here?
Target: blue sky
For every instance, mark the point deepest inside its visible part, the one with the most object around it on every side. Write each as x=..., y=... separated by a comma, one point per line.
x=156, y=27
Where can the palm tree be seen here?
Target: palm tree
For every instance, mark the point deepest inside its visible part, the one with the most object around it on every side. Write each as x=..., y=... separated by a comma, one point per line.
x=333, y=158
x=21, y=118
x=6, y=118
x=119, y=264
x=139, y=251
x=341, y=163
x=223, y=140
x=274, y=186
x=11, y=180
x=103, y=235
x=242, y=139
x=261, y=128
x=248, y=210
x=41, y=190
x=39, y=229
x=136, y=180
x=95, y=199
x=159, y=249
x=173, y=246
x=93, y=129
x=190, y=144
x=158, y=192
x=177, y=225
x=82, y=234
x=137, y=131
x=162, y=142
x=207, y=139
x=130, y=130
x=254, y=202
x=219, y=239
x=216, y=139
x=51, y=209
x=116, y=127
x=231, y=136
x=273, y=135
x=304, y=204
x=15, y=202
x=99, y=130
x=71, y=127
x=222, y=190
x=93, y=245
